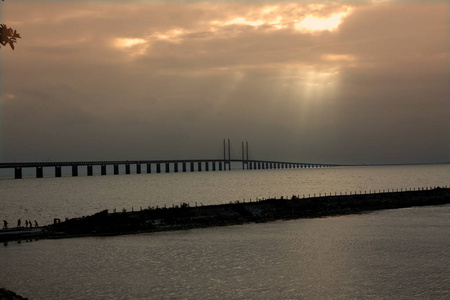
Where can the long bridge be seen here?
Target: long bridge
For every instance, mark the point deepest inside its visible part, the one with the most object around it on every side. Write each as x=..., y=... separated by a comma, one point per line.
x=158, y=166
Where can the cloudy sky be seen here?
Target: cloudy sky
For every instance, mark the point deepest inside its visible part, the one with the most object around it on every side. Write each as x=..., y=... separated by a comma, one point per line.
x=327, y=82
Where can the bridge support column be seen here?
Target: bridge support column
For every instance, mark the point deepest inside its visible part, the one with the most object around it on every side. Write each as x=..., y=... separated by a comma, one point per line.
x=138, y=168
x=206, y=166
x=18, y=173
x=39, y=172
x=103, y=170
x=167, y=168
x=74, y=171
x=175, y=167
x=116, y=169
x=192, y=166
x=89, y=170
x=158, y=168
x=149, y=168
x=199, y=166
x=127, y=169
x=213, y=165
x=184, y=166
x=57, y=171
x=220, y=166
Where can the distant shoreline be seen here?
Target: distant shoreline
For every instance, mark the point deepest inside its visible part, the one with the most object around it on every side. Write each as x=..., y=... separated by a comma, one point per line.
x=183, y=216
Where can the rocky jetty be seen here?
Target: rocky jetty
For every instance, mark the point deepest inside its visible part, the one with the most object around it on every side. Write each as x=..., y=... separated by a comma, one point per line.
x=185, y=217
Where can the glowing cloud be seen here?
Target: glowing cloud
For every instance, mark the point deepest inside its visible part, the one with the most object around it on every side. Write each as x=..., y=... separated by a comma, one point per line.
x=243, y=21
x=127, y=43
x=338, y=57
x=312, y=23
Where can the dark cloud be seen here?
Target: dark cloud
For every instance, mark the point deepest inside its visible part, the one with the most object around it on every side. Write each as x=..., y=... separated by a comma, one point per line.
x=110, y=80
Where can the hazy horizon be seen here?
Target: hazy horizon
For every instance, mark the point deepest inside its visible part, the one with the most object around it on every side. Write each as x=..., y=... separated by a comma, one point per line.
x=344, y=82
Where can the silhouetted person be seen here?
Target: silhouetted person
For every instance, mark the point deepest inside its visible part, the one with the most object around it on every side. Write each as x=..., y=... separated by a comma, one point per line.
x=5, y=224
x=26, y=223
x=35, y=224
x=18, y=223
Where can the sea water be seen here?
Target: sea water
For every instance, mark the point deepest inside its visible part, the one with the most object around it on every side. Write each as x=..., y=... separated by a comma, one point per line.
x=403, y=253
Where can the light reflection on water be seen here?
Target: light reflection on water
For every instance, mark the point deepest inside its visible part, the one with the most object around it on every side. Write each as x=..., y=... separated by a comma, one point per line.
x=403, y=254
x=47, y=198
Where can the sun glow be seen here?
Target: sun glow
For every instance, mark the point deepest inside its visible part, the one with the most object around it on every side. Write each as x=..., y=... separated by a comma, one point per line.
x=126, y=43
x=134, y=46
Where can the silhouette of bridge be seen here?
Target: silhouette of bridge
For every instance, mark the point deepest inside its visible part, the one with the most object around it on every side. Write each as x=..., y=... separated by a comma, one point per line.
x=158, y=166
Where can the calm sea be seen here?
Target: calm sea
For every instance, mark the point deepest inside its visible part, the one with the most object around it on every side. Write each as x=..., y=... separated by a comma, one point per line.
x=397, y=254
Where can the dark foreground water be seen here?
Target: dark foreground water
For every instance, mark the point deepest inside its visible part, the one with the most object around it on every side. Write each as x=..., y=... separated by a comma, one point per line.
x=396, y=254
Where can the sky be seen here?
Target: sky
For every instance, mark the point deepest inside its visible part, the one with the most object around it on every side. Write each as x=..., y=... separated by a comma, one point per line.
x=344, y=82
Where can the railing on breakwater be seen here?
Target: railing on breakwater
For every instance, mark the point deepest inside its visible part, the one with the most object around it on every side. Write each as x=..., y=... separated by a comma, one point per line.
x=304, y=196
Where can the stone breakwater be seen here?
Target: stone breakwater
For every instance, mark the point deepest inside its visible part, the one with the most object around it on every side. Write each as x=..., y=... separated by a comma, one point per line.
x=185, y=217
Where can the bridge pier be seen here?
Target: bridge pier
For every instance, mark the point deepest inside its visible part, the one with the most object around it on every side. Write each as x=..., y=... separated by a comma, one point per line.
x=220, y=166
x=127, y=169
x=89, y=170
x=57, y=171
x=213, y=165
x=103, y=170
x=116, y=169
x=74, y=170
x=184, y=166
x=138, y=168
x=158, y=168
x=167, y=168
x=206, y=166
x=39, y=172
x=149, y=168
x=199, y=166
x=175, y=167
x=18, y=173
